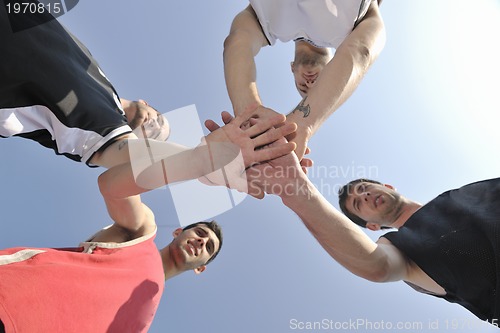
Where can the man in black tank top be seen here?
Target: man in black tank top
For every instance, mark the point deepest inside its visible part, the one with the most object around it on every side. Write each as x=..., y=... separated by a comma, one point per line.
x=452, y=235
x=449, y=248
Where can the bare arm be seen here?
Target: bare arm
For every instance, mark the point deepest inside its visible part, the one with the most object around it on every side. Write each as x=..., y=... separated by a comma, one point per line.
x=121, y=187
x=345, y=242
x=342, y=239
x=243, y=43
x=132, y=217
x=122, y=184
x=342, y=74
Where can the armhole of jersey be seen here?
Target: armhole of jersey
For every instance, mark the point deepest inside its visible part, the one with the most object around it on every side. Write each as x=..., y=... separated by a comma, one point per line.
x=363, y=9
x=260, y=25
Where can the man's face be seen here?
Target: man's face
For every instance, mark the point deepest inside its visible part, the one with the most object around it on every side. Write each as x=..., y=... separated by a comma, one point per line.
x=146, y=121
x=307, y=65
x=375, y=203
x=305, y=77
x=156, y=126
x=194, y=247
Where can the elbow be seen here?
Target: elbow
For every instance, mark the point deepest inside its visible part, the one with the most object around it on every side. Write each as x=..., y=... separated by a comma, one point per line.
x=103, y=183
x=240, y=41
x=232, y=41
x=363, y=55
x=379, y=275
x=379, y=272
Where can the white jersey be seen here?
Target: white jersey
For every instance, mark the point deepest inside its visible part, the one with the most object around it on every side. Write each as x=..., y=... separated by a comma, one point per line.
x=323, y=23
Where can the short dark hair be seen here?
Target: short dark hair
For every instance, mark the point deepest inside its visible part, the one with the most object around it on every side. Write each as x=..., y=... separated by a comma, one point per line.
x=215, y=227
x=343, y=194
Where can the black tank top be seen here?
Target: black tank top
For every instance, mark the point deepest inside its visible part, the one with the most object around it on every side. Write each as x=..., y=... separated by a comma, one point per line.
x=455, y=239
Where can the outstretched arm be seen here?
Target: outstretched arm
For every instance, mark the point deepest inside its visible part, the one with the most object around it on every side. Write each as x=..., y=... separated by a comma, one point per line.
x=341, y=238
x=122, y=184
x=340, y=77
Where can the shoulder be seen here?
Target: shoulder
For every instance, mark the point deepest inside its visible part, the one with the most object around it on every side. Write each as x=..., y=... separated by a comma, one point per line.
x=116, y=233
x=389, y=246
x=246, y=20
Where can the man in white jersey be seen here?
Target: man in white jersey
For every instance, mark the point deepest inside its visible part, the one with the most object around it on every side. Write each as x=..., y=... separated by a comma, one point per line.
x=353, y=27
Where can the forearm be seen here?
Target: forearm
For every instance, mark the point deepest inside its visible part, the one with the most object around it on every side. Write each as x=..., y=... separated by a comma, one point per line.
x=157, y=167
x=240, y=74
x=341, y=238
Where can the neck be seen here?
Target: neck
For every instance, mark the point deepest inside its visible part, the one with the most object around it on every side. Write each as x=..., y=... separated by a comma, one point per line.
x=169, y=268
x=409, y=208
x=305, y=47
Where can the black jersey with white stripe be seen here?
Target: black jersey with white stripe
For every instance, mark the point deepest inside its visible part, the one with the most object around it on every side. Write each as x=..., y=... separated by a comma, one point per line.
x=53, y=91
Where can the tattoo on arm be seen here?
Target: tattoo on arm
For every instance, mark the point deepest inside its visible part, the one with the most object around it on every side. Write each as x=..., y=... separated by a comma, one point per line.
x=122, y=144
x=306, y=109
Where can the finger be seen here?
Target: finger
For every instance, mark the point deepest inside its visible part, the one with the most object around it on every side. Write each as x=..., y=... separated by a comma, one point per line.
x=259, y=195
x=256, y=192
x=299, y=152
x=211, y=125
x=273, y=152
x=306, y=162
x=245, y=115
x=274, y=134
x=265, y=124
x=254, y=188
x=226, y=117
x=245, y=125
x=252, y=121
x=308, y=151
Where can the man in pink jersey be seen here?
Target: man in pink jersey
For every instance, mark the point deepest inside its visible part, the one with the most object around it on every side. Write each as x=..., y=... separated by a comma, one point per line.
x=111, y=285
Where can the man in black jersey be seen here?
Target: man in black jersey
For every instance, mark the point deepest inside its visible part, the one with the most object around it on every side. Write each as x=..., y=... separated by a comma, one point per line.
x=53, y=91
x=435, y=249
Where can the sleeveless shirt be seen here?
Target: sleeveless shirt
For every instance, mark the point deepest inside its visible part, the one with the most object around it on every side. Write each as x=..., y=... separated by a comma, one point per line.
x=98, y=287
x=323, y=23
x=455, y=239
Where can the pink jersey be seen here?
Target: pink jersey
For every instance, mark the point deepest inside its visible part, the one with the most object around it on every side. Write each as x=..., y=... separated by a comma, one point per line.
x=99, y=287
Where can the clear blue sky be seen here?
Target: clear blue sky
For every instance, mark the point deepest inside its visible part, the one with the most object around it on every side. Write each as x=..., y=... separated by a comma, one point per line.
x=425, y=119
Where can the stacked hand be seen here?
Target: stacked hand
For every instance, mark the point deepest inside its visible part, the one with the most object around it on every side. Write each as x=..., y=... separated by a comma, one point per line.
x=267, y=144
x=280, y=176
x=247, y=139
x=300, y=136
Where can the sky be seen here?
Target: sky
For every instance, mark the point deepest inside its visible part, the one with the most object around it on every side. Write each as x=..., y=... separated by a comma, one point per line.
x=424, y=119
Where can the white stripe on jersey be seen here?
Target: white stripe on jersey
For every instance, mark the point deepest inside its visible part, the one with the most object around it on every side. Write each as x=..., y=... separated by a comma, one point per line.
x=71, y=140
x=19, y=256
